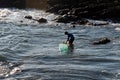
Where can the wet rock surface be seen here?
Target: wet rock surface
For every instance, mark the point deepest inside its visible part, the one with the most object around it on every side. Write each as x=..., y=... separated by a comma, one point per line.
x=101, y=41
x=41, y=20
x=12, y=3
x=94, y=9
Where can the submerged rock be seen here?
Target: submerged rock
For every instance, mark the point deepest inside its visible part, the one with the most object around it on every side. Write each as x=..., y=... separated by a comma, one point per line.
x=28, y=17
x=42, y=20
x=101, y=41
x=66, y=18
x=7, y=69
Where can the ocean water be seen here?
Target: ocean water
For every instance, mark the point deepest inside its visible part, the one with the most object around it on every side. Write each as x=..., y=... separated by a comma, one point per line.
x=30, y=50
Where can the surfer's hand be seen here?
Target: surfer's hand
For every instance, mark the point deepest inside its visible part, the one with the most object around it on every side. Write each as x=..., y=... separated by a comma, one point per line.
x=67, y=42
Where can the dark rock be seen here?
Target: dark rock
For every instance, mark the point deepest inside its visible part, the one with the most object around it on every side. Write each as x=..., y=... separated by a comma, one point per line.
x=101, y=41
x=12, y=3
x=82, y=21
x=62, y=19
x=28, y=17
x=71, y=19
x=63, y=11
x=93, y=9
x=56, y=8
x=21, y=21
x=66, y=18
x=42, y=20
x=72, y=26
x=100, y=24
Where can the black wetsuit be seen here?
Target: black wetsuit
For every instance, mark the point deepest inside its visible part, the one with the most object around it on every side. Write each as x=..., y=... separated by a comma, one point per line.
x=70, y=38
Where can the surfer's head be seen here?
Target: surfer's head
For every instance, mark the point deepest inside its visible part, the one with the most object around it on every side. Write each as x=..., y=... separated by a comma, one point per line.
x=66, y=32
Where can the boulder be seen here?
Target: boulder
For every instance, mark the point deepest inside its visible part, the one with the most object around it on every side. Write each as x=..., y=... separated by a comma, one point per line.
x=28, y=17
x=66, y=18
x=82, y=21
x=93, y=9
x=101, y=41
x=63, y=11
x=42, y=20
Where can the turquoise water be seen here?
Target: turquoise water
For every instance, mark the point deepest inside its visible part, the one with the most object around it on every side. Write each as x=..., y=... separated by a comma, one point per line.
x=30, y=51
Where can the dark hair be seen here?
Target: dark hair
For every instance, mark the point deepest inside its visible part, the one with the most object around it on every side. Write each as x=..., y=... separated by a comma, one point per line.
x=66, y=32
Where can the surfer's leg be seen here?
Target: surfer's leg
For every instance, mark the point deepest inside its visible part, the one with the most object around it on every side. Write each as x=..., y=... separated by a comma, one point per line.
x=71, y=45
x=71, y=42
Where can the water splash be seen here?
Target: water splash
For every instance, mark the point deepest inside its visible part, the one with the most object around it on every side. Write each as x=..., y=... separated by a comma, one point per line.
x=17, y=16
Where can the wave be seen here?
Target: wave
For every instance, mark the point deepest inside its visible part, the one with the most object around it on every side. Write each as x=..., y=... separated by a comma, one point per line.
x=17, y=15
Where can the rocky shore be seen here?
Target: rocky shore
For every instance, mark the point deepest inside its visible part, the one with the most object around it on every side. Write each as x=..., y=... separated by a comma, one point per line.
x=12, y=3
x=78, y=10
x=74, y=11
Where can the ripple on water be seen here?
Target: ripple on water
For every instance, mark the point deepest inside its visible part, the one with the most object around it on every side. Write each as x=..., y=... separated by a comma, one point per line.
x=30, y=50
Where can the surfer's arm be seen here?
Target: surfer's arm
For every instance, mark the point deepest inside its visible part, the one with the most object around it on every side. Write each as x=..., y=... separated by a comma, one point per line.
x=68, y=38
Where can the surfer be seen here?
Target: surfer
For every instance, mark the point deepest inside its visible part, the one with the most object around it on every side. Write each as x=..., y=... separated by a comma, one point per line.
x=70, y=39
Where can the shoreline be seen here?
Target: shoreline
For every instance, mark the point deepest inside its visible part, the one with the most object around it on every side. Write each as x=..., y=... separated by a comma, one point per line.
x=79, y=9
